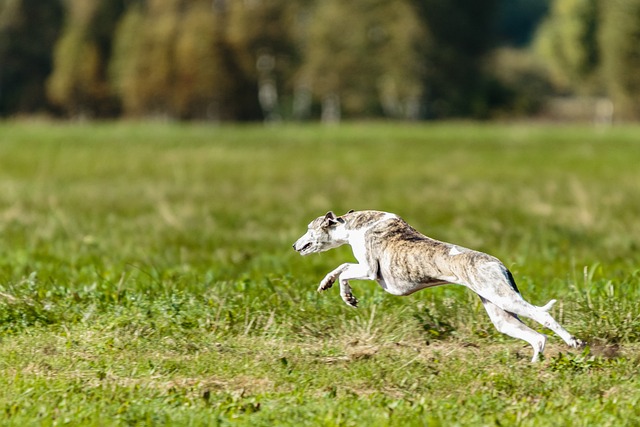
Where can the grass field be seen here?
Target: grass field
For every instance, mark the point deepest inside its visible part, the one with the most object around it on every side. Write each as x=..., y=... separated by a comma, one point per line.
x=147, y=275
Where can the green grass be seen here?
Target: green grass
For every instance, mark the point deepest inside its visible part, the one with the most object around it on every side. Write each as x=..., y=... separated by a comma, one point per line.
x=147, y=275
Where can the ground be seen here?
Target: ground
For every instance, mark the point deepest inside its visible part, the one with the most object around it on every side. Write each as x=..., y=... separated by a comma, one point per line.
x=147, y=275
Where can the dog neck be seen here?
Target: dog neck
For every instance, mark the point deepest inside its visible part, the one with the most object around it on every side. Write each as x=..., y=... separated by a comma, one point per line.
x=360, y=220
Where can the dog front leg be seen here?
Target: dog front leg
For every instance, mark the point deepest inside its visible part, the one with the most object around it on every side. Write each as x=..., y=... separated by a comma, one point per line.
x=353, y=272
x=331, y=277
x=345, y=273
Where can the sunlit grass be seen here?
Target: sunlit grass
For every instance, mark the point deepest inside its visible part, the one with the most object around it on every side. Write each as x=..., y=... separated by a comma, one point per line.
x=147, y=275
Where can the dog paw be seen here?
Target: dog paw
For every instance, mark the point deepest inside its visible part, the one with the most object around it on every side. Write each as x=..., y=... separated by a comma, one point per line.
x=577, y=343
x=350, y=300
x=326, y=283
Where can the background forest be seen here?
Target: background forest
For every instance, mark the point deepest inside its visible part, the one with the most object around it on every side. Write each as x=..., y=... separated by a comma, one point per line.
x=225, y=60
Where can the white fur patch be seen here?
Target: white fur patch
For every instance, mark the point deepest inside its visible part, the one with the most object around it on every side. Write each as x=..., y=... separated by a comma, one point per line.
x=357, y=239
x=387, y=216
x=454, y=251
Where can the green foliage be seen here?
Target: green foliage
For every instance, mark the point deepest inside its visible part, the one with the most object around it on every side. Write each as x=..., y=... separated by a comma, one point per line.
x=248, y=60
x=462, y=33
x=591, y=46
x=262, y=38
x=149, y=47
x=519, y=19
x=28, y=30
x=147, y=276
x=79, y=83
x=262, y=28
x=377, y=58
x=606, y=307
x=621, y=54
x=274, y=59
x=567, y=40
x=523, y=84
x=173, y=59
x=198, y=89
x=435, y=327
x=582, y=363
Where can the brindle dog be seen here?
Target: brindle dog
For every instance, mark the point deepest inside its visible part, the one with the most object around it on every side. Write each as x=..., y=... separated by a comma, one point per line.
x=403, y=261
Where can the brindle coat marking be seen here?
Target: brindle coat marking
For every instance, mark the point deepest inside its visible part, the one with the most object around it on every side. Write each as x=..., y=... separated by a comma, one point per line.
x=403, y=261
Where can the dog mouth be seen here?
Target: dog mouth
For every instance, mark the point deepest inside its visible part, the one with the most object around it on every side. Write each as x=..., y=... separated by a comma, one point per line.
x=305, y=247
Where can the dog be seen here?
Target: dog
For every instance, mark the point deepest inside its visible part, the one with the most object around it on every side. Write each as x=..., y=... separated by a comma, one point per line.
x=403, y=261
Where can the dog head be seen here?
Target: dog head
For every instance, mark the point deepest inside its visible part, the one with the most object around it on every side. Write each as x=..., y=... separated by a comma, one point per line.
x=324, y=233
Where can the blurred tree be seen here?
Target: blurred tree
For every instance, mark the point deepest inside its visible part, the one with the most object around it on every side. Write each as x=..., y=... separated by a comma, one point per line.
x=568, y=42
x=522, y=83
x=28, y=29
x=401, y=60
x=262, y=39
x=172, y=59
x=79, y=84
x=202, y=81
x=620, y=40
x=254, y=59
x=517, y=20
x=364, y=54
x=127, y=62
x=462, y=34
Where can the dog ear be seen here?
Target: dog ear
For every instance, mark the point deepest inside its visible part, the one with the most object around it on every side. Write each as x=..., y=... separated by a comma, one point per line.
x=330, y=219
x=340, y=219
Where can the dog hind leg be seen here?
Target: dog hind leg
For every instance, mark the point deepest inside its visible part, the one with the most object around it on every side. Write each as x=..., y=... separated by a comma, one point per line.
x=519, y=306
x=509, y=324
x=545, y=319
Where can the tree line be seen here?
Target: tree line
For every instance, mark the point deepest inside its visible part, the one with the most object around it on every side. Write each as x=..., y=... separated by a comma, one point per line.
x=308, y=59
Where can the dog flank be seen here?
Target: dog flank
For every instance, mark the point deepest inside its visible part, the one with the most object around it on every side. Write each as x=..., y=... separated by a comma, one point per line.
x=403, y=261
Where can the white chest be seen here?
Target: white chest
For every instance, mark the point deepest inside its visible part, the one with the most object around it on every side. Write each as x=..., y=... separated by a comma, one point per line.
x=358, y=246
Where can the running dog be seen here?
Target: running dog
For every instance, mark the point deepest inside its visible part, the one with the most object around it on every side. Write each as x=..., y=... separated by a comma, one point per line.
x=403, y=261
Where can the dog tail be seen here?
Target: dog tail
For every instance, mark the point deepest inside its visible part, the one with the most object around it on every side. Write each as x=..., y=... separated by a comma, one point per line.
x=548, y=305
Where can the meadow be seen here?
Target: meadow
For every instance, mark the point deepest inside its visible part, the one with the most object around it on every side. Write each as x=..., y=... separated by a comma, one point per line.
x=147, y=275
